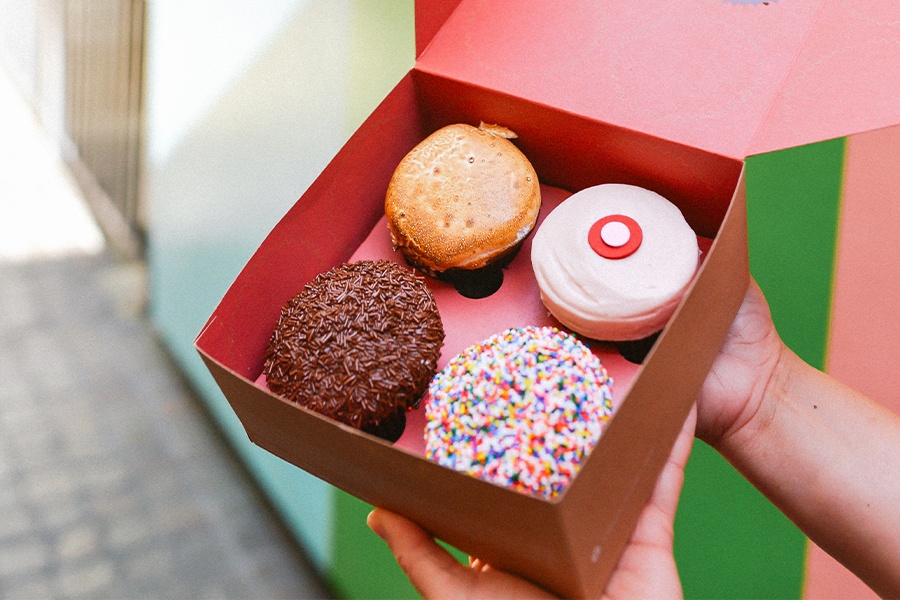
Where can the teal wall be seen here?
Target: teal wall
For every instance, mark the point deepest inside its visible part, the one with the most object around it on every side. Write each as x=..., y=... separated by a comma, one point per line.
x=246, y=104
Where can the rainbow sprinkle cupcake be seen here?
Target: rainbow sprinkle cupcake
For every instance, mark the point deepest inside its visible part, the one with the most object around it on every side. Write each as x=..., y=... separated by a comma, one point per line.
x=522, y=409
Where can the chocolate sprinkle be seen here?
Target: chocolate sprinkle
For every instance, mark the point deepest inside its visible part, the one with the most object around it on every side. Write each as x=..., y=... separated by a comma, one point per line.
x=359, y=344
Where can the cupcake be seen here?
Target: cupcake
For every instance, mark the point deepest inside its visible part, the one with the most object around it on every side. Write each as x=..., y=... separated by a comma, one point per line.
x=359, y=345
x=522, y=409
x=462, y=201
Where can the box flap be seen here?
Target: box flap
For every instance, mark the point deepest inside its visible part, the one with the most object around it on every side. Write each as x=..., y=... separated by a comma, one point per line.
x=845, y=80
x=430, y=17
x=725, y=77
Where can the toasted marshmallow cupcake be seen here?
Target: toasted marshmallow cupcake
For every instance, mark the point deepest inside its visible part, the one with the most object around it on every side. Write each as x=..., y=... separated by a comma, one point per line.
x=613, y=261
x=464, y=198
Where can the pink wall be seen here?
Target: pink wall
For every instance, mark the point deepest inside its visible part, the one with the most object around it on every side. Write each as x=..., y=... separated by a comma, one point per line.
x=865, y=325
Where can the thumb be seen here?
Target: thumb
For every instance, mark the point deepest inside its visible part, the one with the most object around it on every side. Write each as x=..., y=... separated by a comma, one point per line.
x=430, y=568
x=435, y=573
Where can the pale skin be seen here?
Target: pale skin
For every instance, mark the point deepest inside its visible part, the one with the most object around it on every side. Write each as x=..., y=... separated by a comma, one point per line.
x=821, y=452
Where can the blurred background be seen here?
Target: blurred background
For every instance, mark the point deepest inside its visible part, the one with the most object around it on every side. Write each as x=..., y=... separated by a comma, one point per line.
x=146, y=149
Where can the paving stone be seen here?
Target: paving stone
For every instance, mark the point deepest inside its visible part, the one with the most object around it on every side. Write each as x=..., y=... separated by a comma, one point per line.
x=15, y=302
x=75, y=543
x=26, y=588
x=114, y=482
x=20, y=557
x=91, y=580
x=128, y=531
x=55, y=516
x=15, y=522
x=149, y=565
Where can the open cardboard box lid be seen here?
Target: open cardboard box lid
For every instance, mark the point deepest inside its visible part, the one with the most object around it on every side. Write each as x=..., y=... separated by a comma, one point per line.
x=588, y=88
x=733, y=77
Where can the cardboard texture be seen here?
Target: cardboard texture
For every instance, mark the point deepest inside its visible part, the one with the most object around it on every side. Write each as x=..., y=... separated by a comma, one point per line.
x=596, y=94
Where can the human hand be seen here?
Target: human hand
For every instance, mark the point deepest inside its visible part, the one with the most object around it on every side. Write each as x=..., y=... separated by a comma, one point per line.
x=435, y=573
x=646, y=568
x=746, y=366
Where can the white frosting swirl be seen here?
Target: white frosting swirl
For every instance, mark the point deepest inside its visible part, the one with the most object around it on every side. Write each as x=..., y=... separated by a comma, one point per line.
x=614, y=299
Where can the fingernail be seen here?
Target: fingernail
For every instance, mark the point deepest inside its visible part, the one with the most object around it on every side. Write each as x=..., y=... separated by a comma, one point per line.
x=374, y=524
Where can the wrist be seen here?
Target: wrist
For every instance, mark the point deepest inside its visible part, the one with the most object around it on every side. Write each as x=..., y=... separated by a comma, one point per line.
x=754, y=425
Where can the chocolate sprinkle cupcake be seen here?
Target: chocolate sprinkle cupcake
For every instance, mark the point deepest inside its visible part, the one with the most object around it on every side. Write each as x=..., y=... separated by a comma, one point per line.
x=359, y=344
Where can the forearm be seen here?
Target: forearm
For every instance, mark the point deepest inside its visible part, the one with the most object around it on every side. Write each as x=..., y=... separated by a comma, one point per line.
x=828, y=458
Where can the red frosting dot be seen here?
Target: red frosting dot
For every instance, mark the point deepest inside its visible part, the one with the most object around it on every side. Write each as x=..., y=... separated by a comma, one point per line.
x=611, y=242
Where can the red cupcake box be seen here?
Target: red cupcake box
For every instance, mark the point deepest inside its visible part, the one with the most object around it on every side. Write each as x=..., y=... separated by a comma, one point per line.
x=665, y=95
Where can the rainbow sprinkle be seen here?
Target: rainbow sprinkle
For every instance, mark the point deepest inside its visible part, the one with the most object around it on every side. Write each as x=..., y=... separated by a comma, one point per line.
x=522, y=409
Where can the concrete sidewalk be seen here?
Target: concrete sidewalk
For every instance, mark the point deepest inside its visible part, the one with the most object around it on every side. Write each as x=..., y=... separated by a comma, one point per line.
x=113, y=482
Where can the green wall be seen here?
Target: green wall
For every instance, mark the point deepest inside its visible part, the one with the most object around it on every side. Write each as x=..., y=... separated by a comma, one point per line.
x=730, y=541
x=793, y=200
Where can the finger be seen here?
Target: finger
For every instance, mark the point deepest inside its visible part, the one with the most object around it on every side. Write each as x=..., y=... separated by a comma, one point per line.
x=671, y=479
x=655, y=525
x=681, y=451
x=430, y=568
